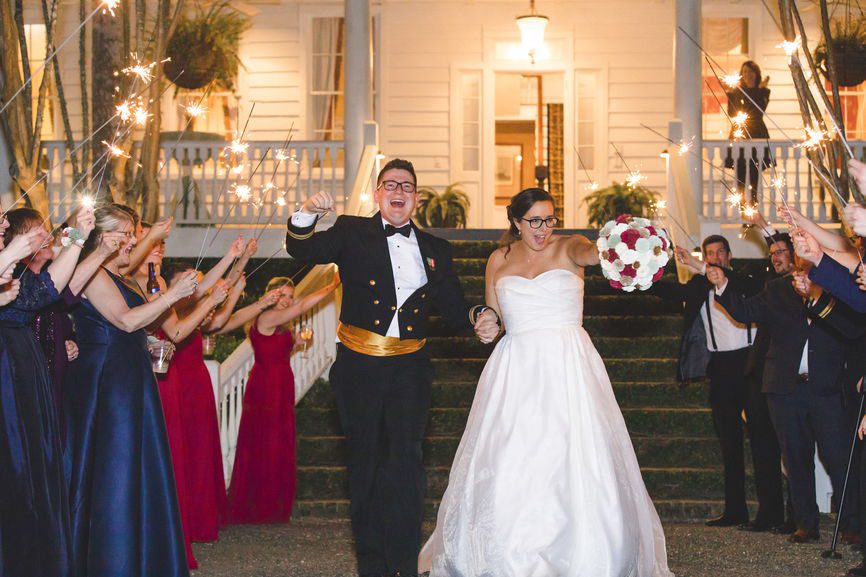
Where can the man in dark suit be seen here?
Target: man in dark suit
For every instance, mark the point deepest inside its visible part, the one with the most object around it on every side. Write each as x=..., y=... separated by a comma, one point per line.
x=716, y=346
x=392, y=272
x=802, y=380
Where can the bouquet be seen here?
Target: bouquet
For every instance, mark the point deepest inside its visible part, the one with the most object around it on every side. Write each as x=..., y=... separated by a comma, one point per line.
x=633, y=253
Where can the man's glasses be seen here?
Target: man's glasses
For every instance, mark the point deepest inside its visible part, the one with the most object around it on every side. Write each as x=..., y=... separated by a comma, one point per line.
x=392, y=185
x=550, y=221
x=779, y=251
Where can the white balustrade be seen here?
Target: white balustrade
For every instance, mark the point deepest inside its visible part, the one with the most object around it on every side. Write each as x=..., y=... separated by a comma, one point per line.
x=196, y=184
x=800, y=186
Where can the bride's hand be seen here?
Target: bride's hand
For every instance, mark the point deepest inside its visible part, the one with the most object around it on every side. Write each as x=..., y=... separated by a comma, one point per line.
x=486, y=327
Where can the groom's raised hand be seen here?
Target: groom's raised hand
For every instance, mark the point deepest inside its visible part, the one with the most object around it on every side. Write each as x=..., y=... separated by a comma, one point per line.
x=487, y=326
x=318, y=204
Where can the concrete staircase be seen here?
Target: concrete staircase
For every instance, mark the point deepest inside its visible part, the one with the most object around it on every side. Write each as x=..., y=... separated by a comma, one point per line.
x=670, y=424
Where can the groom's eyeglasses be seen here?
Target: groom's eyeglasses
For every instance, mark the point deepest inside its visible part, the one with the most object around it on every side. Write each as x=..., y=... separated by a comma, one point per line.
x=550, y=221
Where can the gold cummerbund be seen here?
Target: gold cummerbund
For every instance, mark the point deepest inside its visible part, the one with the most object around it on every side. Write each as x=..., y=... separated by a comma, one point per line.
x=373, y=344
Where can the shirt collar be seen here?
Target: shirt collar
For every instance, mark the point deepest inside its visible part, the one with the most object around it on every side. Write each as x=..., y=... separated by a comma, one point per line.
x=385, y=222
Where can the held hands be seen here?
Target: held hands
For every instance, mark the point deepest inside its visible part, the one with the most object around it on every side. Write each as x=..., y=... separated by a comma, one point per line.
x=183, y=287
x=861, y=278
x=84, y=221
x=686, y=259
x=24, y=245
x=319, y=204
x=807, y=247
x=716, y=276
x=802, y=284
x=218, y=293
x=237, y=247
x=252, y=247
x=270, y=299
x=765, y=82
x=9, y=292
x=857, y=170
x=71, y=350
x=110, y=242
x=855, y=215
x=486, y=327
x=161, y=229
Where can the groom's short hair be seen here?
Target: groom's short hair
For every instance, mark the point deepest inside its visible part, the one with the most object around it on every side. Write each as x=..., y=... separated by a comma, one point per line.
x=397, y=163
x=713, y=239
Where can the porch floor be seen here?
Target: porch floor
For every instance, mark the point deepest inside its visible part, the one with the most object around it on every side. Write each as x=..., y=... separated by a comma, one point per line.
x=322, y=548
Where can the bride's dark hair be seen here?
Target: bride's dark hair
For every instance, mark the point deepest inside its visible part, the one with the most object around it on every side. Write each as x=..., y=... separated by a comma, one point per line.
x=520, y=205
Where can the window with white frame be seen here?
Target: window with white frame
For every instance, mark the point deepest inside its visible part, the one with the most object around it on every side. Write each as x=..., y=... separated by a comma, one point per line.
x=726, y=40
x=328, y=77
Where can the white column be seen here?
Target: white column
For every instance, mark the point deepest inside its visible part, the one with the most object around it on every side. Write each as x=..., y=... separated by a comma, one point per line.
x=359, y=64
x=687, y=86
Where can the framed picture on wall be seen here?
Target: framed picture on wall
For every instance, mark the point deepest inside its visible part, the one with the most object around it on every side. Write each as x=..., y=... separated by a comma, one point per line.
x=507, y=156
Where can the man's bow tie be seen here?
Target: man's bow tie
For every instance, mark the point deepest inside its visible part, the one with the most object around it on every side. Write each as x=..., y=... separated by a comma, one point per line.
x=391, y=230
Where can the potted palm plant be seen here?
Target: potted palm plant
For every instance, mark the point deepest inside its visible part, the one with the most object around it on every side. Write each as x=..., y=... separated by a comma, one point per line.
x=204, y=48
x=606, y=204
x=448, y=209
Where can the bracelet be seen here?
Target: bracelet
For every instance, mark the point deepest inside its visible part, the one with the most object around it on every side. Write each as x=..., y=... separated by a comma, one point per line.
x=70, y=236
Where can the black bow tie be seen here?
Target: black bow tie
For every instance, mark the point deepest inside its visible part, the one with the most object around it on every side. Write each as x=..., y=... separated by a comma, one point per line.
x=391, y=230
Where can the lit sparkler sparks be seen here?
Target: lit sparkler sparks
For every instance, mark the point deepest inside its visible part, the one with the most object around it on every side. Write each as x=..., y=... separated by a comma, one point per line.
x=778, y=183
x=140, y=115
x=814, y=138
x=791, y=46
x=87, y=201
x=109, y=6
x=268, y=186
x=661, y=204
x=740, y=118
x=281, y=154
x=115, y=151
x=634, y=179
x=739, y=134
x=731, y=80
x=238, y=146
x=735, y=199
x=143, y=72
x=124, y=110
x=195, y=110
x=685, y=147
x=592, y=186
x=280, y=201
x=243, y=192
x=238, y=169
x=749, y=211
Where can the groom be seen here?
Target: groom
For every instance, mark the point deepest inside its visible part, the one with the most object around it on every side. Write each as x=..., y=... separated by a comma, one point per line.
x=392, y=273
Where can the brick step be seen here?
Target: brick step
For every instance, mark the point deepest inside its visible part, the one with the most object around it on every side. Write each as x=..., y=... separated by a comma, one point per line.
x=690, y=422
x=670, y=510
x=602, y=326
x=629, y=394
x=652, y=452
x=667, y=347
x=618, y=369
x=692, y=483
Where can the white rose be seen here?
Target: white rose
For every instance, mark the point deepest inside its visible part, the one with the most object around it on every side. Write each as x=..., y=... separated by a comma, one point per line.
x=601, y=243
x=627, y=256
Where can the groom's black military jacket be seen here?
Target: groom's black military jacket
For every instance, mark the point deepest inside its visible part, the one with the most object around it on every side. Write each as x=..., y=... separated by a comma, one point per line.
x=358, y=245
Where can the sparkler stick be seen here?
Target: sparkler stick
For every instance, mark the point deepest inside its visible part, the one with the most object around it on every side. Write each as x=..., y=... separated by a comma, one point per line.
x=634, y=177
x=593, y=185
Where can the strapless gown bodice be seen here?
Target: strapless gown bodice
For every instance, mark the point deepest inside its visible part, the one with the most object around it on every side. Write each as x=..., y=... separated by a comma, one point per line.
x=551, y=300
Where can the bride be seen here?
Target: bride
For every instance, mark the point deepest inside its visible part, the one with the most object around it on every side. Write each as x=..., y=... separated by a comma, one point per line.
x=545, y=482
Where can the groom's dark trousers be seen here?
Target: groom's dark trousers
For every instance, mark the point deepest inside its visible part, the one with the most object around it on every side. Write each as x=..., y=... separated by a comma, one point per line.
x=382, y=383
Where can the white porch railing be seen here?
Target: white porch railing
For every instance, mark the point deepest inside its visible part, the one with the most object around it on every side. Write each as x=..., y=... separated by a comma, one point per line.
x=195, y=183
x=802, y=188
x=307, y=366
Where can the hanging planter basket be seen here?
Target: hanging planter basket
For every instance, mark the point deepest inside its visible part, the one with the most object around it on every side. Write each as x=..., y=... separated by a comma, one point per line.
x=191, y=70
x=204, y=48
x=850, y=61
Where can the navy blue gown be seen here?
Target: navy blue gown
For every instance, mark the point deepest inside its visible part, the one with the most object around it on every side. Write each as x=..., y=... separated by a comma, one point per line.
x=34, y=508
x=125, y=517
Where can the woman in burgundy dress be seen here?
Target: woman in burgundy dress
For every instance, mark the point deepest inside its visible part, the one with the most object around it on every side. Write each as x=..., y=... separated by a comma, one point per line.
x=263, y=482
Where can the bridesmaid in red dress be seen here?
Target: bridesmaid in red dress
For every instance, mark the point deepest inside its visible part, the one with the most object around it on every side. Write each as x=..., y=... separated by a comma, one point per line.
x=263, y=479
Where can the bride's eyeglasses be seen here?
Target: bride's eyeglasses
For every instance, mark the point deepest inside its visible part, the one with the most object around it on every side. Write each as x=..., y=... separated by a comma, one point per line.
x=550, y=221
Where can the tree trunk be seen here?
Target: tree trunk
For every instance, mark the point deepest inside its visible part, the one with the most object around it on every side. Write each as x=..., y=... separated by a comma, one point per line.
x=106, y=59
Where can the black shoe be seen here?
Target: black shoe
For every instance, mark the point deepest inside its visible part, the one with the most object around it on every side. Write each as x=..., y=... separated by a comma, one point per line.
x=726, y=521
x=858, y=570
x=786, y=528
x=804, y=536
x=756, y=527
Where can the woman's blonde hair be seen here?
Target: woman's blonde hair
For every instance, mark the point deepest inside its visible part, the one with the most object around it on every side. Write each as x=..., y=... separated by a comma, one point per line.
x=109, y=218
x=279, y=282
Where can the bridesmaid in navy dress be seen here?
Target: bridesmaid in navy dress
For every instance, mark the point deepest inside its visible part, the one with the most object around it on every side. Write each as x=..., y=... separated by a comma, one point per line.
x=34, y=506
x=125, y=519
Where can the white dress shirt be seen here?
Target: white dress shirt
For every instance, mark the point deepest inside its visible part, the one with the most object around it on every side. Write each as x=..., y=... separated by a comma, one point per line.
x=730, y=335
x=406, y=265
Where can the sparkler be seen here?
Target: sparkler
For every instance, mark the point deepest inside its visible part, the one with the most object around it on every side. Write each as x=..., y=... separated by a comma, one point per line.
x=109, y=6
x=138, y=69
x=634, y=179
x=195, y=110
x=814, y=138
x=593, y=185
x=114, y=150
x=237, y=146
x=731, y=80
x=791, y=46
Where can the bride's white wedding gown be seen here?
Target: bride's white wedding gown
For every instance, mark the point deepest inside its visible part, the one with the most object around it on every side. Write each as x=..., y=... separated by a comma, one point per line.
x=545, y=482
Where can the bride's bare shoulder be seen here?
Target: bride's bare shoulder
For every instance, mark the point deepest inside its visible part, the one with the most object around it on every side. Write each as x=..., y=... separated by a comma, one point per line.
x=496, y=259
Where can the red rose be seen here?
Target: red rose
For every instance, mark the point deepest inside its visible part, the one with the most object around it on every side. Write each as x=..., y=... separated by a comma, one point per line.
x=615, y=284
x=630, y=237
x=651, y=229
x=611, y=255
x=623, y=219
x=628, y=271
x=664, y=243
x=658, y=274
